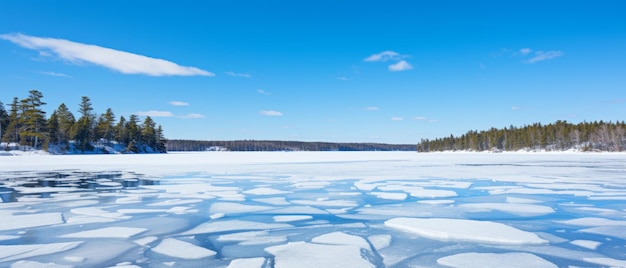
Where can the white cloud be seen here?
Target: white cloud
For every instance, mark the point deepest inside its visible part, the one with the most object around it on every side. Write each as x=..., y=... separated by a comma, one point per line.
x=238, y=74
x=179, y=103
x=420, y=118
x=271, y=113
x=191, y=116
x=263, y=92
x=371, y=108
x=400, y=66
x=525, y=51
x=515, y=108
x=397, y=118
x=56, y=74
x=383, y=56
x=156, y=114
x=121, y=61
x=343, y=78
x=544, y=55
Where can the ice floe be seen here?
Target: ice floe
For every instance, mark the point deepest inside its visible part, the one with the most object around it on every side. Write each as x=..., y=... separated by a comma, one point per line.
x=305, y=255
x=181, y=249
x=22, y=252
x=586, y=244
x=233, y=225
x=481, y=260
x=107, y=232
x=15, y=222
x=464, y=230
x=512, y=208
x=290, y=218
x=247, y=263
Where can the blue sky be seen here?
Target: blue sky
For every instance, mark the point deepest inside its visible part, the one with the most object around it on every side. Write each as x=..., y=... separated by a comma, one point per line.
x=346, y=71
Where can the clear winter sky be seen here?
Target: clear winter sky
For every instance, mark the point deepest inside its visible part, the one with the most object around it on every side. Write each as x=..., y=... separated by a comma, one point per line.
x=361, y=71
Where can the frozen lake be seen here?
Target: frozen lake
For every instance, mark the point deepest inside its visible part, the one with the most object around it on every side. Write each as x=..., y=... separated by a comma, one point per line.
x=314, y=209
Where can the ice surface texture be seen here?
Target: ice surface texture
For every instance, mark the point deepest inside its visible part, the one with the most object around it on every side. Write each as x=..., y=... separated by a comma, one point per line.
x=313, y=209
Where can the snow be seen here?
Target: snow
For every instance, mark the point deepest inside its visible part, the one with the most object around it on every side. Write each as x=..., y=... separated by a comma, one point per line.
x=465, y=230
x=355, y=209
x=480, y=260
x=181, y=249
x=108, y=232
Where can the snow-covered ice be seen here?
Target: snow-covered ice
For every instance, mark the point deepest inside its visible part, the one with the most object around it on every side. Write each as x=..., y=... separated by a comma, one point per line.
x=313, y=209
x=181, y=249
x=465, y=230
x=480, y=260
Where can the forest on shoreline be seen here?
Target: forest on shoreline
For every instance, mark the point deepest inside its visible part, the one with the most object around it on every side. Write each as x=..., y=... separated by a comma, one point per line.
x=265, y=145
x=26, y=125
x=598, y=136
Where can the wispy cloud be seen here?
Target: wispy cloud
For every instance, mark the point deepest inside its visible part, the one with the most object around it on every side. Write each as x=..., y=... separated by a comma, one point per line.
x=525, y=51
x=179, y=103
x=425, y=119
x=515, y=108
x=400, y=66
x=191, y=116
x=270, y=113
x=544, y=55
x=371, y=108
x=155, y=113
x=343, y=78
x=245, y=75
x=384, y=56
x=55, y=74
x=397, y=118
x=120, y=61
x=263, y=92
x=388, y=55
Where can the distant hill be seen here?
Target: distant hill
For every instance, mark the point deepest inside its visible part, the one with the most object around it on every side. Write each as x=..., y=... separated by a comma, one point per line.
x=264, y=145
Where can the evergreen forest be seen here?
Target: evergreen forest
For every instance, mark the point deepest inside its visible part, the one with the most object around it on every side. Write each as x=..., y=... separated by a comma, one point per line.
x=26, y=125
x=265, y=145
x=559, y=136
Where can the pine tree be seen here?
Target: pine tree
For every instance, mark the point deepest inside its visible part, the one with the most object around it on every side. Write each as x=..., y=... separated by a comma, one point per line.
x=161, y=141
x=120, y=131
x=134, y=133
x=33, y=119
x=4, y=119
x=66, y=121
x=148, y=133
x=83, y=133
x=12, y=130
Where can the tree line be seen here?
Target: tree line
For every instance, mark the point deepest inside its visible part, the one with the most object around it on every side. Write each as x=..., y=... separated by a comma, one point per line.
x=558, y=136
x=265, y=145
x=26, y=124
